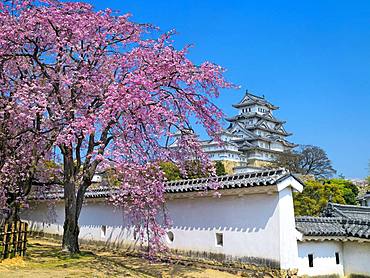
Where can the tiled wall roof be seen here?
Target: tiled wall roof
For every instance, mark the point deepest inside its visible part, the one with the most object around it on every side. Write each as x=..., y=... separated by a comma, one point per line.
x=347, y=211
x=337, y=220
x=260, y=178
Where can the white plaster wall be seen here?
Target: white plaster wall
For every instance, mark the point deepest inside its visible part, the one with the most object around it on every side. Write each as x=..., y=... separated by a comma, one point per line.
x=288, y=234
x=96, y=213
x=277, y=147
x=250, y=225
x=50, y=218
x=324, y=262
x=356, y=257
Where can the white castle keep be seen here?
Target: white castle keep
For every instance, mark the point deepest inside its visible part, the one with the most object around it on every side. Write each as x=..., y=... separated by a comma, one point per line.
x=253, y=138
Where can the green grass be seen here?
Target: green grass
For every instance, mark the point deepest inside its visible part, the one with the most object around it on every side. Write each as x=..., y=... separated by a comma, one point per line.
x=45, y=259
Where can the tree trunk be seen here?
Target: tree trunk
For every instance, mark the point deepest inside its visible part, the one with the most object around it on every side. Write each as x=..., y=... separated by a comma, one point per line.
x=70, y=235
x=12, y=214
x=72, y=201
x=70, y=227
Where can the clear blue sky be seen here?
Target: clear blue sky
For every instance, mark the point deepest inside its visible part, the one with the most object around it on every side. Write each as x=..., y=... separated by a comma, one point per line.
x=311, y=58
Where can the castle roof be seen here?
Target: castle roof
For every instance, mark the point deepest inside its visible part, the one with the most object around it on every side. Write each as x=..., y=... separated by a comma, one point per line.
x=265, y=116
x=251, y=99
x=272, y=139
x=347, y=211
x=364, y=196
x=333, y=227
x=280, y=131
x=257, y=148
x=337, y=221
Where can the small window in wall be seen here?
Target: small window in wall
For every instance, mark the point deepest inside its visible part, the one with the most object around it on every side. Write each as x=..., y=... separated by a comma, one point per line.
x=337, y=258
x=219, y=239
x=310, y=260
x=103, y=232
x=170, y=236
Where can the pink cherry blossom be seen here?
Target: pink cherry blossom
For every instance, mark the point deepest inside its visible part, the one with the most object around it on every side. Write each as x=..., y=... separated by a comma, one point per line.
x=94, y=91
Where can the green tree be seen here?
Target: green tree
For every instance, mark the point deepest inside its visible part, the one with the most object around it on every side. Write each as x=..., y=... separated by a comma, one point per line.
x=193, y=169
x=220, y=168
x=171, y=171
x=317, y=194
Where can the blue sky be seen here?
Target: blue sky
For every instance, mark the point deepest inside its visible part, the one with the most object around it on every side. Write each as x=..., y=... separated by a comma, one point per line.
x=311, y=58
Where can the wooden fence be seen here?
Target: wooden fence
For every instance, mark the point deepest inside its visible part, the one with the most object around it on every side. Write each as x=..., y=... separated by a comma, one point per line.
x=13, y=238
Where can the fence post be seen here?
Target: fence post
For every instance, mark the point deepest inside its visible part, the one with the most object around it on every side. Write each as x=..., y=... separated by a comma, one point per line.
x=14, y=240
x=19, y=238
x=11, y=242
x=5, y=239
x=25, y=239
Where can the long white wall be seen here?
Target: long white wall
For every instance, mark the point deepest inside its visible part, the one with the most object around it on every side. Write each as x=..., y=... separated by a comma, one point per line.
x=249, y=224
x=356, y=257
x=324, y=261
x=99, y=221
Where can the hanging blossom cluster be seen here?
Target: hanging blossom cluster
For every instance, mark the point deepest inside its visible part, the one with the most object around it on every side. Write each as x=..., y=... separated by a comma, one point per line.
x=107, y=95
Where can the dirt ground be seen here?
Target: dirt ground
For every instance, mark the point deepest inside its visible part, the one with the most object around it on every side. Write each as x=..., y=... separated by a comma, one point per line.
x=45, y=260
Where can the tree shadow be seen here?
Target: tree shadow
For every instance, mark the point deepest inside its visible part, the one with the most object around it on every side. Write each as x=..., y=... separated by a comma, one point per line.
x=107, y=263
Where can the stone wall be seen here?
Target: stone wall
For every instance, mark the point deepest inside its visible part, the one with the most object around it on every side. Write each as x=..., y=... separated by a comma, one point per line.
x=259, y=163
x=229, y=166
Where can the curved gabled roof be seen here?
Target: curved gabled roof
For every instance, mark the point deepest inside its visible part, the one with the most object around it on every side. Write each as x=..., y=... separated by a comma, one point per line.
x=333, y=227
x=266, y=117
x=250, y=99
x=320, y=226
x=337, y=220
x=347, y=211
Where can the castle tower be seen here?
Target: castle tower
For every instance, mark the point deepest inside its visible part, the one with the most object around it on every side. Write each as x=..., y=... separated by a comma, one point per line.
x=260, y=135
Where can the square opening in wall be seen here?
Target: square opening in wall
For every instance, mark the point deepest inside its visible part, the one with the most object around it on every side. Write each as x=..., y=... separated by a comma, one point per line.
x=219, y=239
x=103, y=231
x=170, y=237
x=310, y=260
x=337, y=258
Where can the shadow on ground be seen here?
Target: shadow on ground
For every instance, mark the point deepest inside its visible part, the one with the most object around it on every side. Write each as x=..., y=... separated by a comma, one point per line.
x=45, y=259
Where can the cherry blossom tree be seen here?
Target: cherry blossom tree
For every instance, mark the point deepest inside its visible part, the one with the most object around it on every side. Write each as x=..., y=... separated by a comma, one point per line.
x=107, y=94
x=23, y=150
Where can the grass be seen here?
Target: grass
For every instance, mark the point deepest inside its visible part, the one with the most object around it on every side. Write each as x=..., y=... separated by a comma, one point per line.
x=45, y=259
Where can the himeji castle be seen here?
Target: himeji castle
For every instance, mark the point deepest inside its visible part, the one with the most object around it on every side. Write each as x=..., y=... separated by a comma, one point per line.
x=253, y=138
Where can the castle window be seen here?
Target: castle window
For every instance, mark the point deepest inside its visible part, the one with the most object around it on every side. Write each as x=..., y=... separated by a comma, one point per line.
x=219, y=239
x=170, y=236
x=310, y=260
x=337, y=258
x=103, y=231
